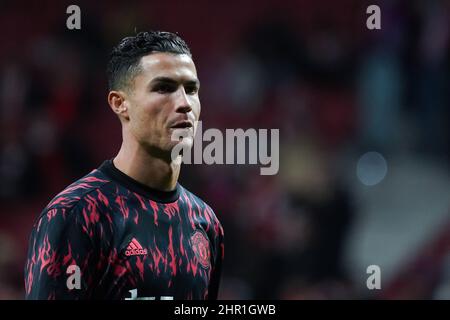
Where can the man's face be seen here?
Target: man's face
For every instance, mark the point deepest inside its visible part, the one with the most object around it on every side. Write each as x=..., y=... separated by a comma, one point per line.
x=162, y=98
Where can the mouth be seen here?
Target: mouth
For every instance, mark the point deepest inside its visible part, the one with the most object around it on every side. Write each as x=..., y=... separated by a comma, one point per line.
x=185, y=124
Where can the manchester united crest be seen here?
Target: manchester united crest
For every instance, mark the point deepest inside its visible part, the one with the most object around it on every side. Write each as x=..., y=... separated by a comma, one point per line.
x=200, y=245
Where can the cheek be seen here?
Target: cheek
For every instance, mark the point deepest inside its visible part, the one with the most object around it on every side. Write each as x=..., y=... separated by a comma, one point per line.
x=196, y=108
x=142, y=120
x=149, y=110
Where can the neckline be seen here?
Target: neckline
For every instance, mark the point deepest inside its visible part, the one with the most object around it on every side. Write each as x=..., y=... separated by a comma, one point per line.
x=109, y=169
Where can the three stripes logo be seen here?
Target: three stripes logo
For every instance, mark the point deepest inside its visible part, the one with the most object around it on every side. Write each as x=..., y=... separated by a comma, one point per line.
x=135, y=249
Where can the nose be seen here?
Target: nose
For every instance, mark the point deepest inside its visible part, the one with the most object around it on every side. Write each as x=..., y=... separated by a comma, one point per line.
x=183, y=103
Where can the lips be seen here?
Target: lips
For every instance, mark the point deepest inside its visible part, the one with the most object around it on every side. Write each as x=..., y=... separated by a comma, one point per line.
x=182, y=124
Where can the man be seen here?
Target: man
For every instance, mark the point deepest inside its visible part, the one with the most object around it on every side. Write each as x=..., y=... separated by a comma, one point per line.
x=129, y=230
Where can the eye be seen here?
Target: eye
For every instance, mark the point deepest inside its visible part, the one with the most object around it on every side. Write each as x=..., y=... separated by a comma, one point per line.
x=164, y=88
x=191, y=89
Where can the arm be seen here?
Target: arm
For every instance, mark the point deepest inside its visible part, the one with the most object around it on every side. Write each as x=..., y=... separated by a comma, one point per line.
x=61, y=238
x=218, y=257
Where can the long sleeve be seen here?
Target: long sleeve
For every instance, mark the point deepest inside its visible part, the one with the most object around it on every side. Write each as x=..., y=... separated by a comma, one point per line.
x=216, y=271
x=61, y=256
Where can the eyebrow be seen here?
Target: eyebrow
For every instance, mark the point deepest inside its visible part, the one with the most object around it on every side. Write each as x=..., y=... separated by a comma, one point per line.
x=195, y=82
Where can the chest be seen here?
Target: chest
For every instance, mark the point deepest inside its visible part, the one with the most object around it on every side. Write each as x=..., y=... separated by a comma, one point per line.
x=159, y=250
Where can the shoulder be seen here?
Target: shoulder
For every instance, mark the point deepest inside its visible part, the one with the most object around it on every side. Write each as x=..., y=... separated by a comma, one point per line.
x=74, y=208
x=193, y=198
x=84, y=192
x=203, y=206
x=75, y=212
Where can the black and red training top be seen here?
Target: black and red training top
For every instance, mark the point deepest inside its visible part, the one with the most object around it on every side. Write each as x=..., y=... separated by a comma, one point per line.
x=107, y=236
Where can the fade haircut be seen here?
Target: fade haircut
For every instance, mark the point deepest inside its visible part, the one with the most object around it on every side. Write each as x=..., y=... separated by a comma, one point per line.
x=124, y=60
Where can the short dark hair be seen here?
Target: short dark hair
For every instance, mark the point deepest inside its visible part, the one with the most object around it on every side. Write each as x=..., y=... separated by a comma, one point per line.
x=124, y=60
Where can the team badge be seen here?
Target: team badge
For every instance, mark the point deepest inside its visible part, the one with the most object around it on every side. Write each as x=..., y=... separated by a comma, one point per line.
x=200, y=245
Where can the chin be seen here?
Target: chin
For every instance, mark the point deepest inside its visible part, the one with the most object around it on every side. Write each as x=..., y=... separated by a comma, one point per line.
x=178, y=148
x=183, y=136
x=186, y=142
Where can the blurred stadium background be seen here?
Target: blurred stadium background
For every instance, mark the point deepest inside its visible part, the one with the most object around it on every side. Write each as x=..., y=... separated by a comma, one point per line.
x=364, y=132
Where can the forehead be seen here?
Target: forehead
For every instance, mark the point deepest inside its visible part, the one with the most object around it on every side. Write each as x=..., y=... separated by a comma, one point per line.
x=176, y=66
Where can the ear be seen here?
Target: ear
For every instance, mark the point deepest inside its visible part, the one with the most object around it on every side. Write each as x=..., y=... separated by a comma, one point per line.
x=119, y=104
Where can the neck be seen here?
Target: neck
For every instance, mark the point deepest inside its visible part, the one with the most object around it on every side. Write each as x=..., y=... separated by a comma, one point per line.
x=146, y=167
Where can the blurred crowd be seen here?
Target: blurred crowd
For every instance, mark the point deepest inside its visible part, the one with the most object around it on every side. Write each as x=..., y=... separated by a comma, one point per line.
x=311, y=69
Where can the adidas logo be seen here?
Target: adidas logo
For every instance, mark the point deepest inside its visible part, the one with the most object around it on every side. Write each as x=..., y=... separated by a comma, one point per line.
x=135, y=249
